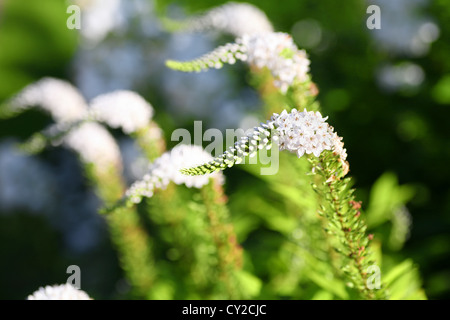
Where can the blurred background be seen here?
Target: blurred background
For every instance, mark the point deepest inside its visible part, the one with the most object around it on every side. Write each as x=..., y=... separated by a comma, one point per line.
x=387, y=92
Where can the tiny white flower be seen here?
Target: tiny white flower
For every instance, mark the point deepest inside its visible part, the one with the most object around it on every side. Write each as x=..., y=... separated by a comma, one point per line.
x=307, y=132
x=277, y=52
x=301, y=151
x=167, y=168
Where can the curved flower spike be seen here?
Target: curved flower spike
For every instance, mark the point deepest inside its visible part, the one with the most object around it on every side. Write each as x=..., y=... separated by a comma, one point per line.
x=275, y=51
x=57, y=97
x=261, y=137
x=122, y=108
x=118, y=109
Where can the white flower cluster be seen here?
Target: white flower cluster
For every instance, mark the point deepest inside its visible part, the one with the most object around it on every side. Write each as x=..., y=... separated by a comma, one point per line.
x=94, y=144
x=122, y=108
x=62, y=100
x=59, y=292
x=249, y=144
x=278, y=52
x=234, y=18
x=307, y=132
x=273, y=50
x=167, y=168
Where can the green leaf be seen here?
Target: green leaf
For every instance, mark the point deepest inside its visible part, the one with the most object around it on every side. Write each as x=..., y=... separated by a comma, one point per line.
x=321, y=273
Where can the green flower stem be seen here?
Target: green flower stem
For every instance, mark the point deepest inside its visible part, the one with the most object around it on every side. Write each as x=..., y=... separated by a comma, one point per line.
x=39, y=140
x=172, y=25
x=8, y=111
x=132, y=241
x=355, y=252
x=134, y=249
x=175, y=223
x=246, y=146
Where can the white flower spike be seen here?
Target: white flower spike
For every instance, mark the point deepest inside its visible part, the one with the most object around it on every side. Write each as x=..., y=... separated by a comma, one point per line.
x=298, y=132
x=277, y=52
x=273, y=50
x=57, y=97
x=167, y=168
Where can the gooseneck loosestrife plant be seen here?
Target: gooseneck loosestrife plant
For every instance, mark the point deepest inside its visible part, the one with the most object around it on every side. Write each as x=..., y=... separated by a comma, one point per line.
x=59, y=292
x=174, y=232
x=275, y=51
x=308, y=133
